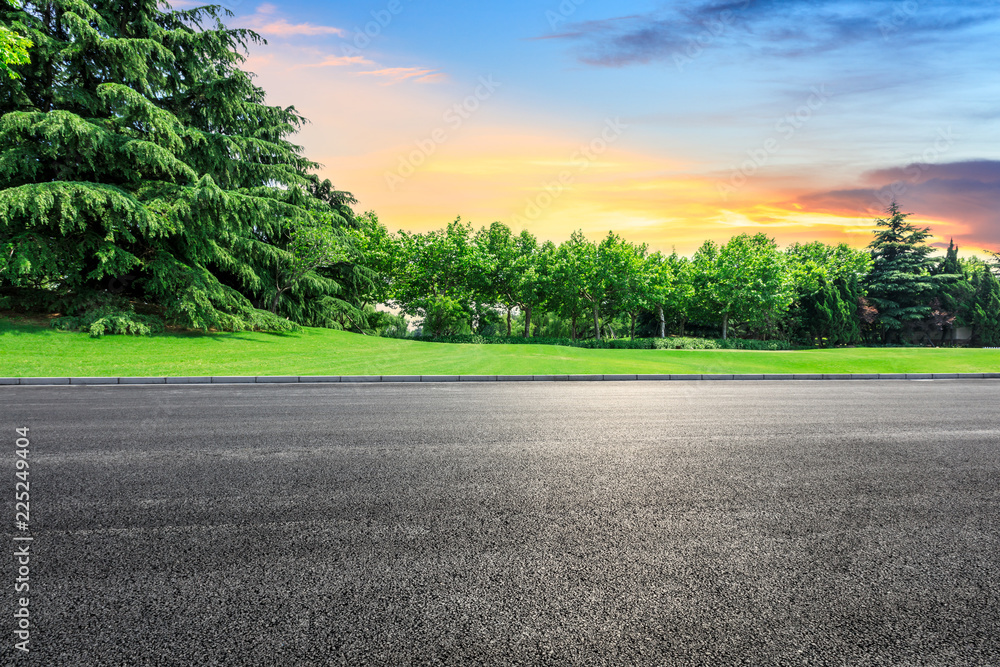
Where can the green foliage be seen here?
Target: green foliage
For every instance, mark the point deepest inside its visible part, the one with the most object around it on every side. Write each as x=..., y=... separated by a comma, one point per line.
x=434, y=273
x=900, y=284
x=13, y=47
x=112, y=317
x=444, y=316
x=985, y=309
x=139, y=161
x=313, y=243
x=744, y=280
x=673, y=343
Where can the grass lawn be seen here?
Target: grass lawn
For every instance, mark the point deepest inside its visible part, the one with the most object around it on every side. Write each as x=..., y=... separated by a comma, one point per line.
x=31, y=350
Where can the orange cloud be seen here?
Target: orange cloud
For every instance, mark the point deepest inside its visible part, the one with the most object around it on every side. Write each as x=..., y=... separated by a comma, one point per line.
x=266, y=22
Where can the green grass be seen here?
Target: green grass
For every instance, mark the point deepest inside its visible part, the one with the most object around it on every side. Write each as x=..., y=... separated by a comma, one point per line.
x=30, y=350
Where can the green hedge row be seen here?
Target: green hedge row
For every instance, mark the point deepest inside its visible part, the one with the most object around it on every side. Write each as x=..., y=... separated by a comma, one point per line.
x=673, y=343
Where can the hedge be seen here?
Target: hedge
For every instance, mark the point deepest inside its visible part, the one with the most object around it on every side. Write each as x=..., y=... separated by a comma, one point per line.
x=672, y=343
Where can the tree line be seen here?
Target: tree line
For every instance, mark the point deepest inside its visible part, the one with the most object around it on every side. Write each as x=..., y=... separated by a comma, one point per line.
x=145, y=182
x=492, y=281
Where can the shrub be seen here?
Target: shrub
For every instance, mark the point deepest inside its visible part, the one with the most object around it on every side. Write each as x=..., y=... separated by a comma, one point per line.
x=108, y=319
x=674, y=343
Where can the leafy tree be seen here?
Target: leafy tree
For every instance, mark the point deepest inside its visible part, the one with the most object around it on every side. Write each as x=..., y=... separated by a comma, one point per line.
x=955, y=291
x=900, y=284
x=530, y=281
x=824, y=281
x=566, y=280
x=580, y=271
x=141, y=168
x=364, y=275
x=743, y=280
x=445, y=316
x=495, y=274
x=661, y=286
x=507, y=271
x=13, y=47
x=433, y=265
x=626, y=277
x=680, y=299
x=830, y=313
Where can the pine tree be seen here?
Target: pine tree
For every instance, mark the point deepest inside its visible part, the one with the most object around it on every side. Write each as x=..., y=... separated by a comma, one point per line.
x=985, y=309
x=900, y=284
x=141, y=168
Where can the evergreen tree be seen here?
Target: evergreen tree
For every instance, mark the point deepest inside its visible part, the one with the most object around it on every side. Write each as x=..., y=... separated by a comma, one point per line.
x=900, y=284
x=985, y=309
x=141, y=168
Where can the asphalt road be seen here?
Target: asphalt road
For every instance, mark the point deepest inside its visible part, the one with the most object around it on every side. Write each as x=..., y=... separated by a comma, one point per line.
x=673, y=523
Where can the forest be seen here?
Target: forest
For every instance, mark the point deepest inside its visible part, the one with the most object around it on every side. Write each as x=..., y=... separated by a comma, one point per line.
x=145, y=183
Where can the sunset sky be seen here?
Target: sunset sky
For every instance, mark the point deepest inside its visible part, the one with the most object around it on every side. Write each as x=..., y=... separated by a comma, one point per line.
x=667, y=122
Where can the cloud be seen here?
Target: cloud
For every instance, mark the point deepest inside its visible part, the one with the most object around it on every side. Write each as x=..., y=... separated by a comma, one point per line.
x=266, y=22
x=781, y=28
x=339, y=61
x=964, y=196
x=399, y=74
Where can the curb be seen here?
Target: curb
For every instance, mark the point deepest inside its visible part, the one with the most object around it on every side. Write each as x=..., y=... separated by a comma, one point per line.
x=312, y=379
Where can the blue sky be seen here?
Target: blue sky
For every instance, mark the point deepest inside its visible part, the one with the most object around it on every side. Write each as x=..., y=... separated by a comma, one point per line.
x=797, y=118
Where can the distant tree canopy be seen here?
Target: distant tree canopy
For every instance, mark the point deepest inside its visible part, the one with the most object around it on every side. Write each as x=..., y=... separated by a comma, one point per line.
x=143, y=177
x=462, y=281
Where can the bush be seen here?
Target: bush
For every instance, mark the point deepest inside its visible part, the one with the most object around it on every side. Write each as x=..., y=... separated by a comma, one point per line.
x=118, y=316
x=109, y=319
x=674, y=343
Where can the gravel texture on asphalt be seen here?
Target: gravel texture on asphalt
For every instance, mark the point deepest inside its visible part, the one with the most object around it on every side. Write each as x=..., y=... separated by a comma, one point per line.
x=722, y=523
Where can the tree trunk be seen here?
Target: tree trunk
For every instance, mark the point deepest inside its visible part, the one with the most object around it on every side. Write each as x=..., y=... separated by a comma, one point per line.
x=597, y=324
x=527, y=321
x=274, y=302
x=725, y=325
x=683, y=323
x=572, y=328
x=663, y=322
x=508, y=322
x=631, y=329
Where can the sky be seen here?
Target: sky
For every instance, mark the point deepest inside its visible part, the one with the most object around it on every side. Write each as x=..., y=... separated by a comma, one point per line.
x=667, y=122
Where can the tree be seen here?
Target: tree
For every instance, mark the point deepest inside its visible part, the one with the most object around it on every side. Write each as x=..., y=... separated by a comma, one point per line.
x=565, y=282
x=579, y=270
x=313, y=244
x=985, y=308
x=680, y=297
x=743, y=280
x=900, y=284
x=529, y=280
x=824, y=282
x=141, y=168
x=495, y=274
x=434, y=265
x=629, y=275
x=661, y=280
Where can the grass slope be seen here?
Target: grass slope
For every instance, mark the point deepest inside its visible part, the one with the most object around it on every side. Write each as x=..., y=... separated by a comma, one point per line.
x=28, y=350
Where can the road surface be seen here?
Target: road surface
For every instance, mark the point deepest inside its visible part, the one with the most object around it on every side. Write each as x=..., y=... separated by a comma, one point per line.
x=673, y=523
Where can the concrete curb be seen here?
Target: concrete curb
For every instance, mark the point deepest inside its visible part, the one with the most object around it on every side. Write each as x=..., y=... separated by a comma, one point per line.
x=310, y=379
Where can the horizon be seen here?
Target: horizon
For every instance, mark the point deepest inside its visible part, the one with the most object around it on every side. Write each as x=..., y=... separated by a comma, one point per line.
x=667, y=123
